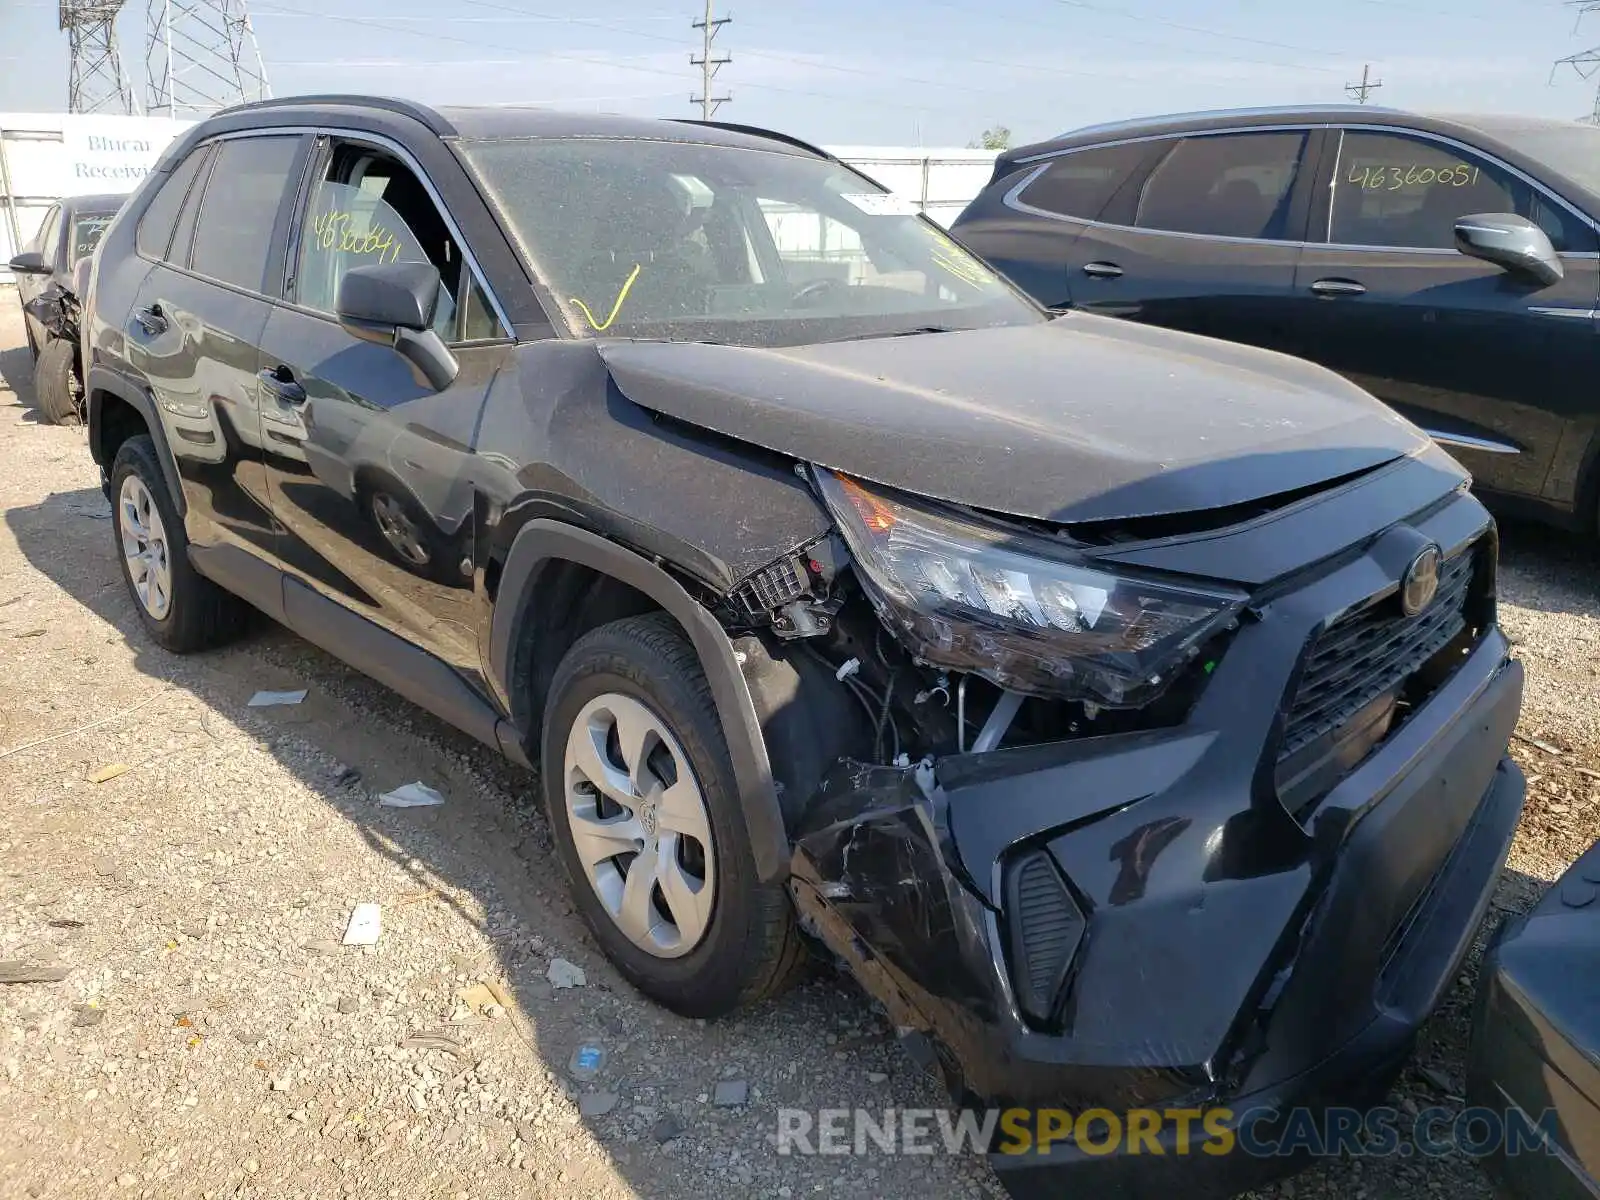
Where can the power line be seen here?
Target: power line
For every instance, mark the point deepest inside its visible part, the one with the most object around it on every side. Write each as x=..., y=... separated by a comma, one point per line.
x=709, y=27
x=1359, y=91
x=1586, y=62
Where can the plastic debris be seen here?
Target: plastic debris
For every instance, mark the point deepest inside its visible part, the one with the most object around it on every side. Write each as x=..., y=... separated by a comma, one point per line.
x=366, y=922
x=269, y=699
x=109, y=772
x=412, y=795
x=730, y=1093
x=586, y=1061
x=563, y=974
x=436, y=1040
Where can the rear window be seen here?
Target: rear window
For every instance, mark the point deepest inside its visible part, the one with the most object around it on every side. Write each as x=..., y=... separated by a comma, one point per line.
x=1082, y=183
x=1224, y=185
x=155, y=227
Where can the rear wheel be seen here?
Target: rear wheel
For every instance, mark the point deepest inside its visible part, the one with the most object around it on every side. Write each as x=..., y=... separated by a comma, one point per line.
x=644, y=807
x=182, y=609
x=56, y=383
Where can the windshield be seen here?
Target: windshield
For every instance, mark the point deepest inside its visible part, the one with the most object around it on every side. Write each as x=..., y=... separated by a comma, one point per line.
x=87, y=229
x=676, y=240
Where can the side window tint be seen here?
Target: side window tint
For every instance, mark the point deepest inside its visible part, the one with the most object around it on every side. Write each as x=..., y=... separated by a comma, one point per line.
x=233, y=235
x=183, y=238
x=154, y=234
x=1080, y=184
x=369, y=210
x=1393, y=190
x=1224, y=185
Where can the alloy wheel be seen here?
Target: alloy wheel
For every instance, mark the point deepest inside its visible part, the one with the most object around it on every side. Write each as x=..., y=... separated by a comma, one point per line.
x=640, y=824
x=144, y=546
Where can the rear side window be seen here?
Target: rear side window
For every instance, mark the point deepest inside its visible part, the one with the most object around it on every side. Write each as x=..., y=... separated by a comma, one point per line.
x=233, y=235
x=178, y=255
x=1081, y=184
x=1393, y=190
x=155, y=227
x=1225, y=185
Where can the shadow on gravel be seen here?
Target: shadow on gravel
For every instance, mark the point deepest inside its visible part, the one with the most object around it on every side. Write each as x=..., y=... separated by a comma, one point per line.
x=1557, y=570
x=662, y=1137
x=500, y=854
x=16, y=372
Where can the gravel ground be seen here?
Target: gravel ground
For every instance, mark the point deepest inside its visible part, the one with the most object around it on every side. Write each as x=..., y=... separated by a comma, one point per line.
x=192, y=862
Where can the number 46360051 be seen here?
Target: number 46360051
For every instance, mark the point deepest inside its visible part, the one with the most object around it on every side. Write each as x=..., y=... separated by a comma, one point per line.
x=1393, y=178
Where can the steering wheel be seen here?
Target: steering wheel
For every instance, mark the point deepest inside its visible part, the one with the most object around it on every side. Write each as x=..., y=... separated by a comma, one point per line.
x=815, y=290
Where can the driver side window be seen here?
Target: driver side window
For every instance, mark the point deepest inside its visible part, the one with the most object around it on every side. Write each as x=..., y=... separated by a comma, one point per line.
x=369, y=209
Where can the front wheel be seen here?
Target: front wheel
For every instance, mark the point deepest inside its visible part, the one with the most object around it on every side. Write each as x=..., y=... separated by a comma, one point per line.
x=645, y=811
x=56, y=382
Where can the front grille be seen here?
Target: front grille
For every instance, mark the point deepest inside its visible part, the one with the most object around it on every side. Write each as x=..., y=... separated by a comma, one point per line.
x=1369, y=654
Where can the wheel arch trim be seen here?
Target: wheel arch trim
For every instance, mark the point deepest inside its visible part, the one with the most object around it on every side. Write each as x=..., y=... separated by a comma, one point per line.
x=102, y=381
x=540, y=541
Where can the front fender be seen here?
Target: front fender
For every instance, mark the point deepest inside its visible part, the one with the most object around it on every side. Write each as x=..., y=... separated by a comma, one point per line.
x=540, y=541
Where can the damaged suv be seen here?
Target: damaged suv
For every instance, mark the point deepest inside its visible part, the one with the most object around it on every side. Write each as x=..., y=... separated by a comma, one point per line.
x=1126, y=710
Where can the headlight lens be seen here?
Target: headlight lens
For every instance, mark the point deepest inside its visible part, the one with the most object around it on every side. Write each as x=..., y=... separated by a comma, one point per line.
x=1012, y=607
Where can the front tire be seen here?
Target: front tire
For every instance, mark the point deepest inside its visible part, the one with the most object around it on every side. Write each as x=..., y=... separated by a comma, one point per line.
x=645, y=811
x=56, y=383
x=182, y=610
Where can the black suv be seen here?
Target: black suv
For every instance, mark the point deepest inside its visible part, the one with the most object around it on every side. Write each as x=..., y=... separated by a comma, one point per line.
x=1448, y=265
x=1127, y=710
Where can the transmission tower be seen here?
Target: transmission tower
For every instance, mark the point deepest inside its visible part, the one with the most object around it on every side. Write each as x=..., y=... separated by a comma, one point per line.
x=1359, y=91
x=1586, y=62
x=95, y=80
x=710, y=66
x=201, y=55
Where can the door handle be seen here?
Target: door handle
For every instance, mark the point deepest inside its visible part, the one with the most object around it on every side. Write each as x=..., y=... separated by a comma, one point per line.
x=1102, y=270
x=280, y=382
x=152, y=320
x=1338, y=287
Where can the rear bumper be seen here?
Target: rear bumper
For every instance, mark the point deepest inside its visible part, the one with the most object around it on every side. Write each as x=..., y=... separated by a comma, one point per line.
x=1536, y=1041
x=1221, y=955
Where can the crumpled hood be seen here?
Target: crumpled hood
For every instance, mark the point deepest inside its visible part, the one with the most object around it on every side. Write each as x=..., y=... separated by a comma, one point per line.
x=1079, y=419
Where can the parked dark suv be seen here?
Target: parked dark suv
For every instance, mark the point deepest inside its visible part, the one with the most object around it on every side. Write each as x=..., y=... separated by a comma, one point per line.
x=1127, y=710
x=1446, y=264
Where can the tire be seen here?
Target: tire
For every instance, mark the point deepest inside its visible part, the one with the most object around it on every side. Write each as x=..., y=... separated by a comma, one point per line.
x=182, y=610
x=56, y=384
x=750, y=948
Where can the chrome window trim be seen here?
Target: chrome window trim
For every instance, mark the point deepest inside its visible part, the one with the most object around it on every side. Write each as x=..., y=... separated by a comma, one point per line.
x=406, y=157
x=1465, y=441
x=1584, y=314
x=1014, y=201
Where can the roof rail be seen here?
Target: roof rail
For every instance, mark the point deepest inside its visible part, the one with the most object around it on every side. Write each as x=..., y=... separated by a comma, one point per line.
x=405, y=108
x=758, y=131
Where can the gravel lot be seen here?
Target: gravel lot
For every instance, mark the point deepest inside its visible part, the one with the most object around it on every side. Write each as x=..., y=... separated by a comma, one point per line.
x=212, y=1037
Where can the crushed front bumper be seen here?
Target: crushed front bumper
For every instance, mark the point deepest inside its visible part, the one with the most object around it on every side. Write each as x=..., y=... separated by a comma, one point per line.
x=1195, y=945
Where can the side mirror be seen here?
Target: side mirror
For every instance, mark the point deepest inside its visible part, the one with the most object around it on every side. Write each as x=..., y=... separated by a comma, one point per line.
x=1512, y=242
x=395, y=302
x=29, y=262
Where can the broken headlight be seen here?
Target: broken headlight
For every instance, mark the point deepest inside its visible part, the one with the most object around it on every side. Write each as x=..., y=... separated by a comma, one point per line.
x=1015, y=609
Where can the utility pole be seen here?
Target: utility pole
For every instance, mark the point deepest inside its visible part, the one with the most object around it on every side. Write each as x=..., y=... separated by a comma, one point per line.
x=96, y=81
x=1360, y=91
x=709, y=66
x=1586, y=62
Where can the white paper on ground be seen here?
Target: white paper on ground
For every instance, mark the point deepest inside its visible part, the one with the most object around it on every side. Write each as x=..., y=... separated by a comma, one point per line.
x=366, y=922
x=267, y=699
x=412, y=795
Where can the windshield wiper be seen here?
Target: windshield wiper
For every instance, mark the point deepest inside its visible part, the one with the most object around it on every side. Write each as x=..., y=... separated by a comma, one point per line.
x=898, y=333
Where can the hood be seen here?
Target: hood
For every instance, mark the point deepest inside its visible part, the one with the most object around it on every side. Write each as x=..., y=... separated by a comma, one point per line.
x=1082, y=418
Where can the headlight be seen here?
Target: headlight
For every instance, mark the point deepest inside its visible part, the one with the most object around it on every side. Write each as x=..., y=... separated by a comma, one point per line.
x=1015, y=609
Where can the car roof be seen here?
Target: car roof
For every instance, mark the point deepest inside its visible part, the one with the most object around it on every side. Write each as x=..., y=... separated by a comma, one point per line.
x=1499, y=127
x=472, y=122
x=98, y=203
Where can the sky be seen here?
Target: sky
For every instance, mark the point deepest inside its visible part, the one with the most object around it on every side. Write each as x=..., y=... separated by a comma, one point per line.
x=886, y=72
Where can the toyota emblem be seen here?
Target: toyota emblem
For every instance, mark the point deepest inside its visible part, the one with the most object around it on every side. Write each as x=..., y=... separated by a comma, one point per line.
x=1421, y=581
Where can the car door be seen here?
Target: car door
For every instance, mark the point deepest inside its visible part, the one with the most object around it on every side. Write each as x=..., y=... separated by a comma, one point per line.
x=195, y=328
x=370, y=467
x=1206, y=240
x=1490, y=362
x=44, y=242
x=1025, y=223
